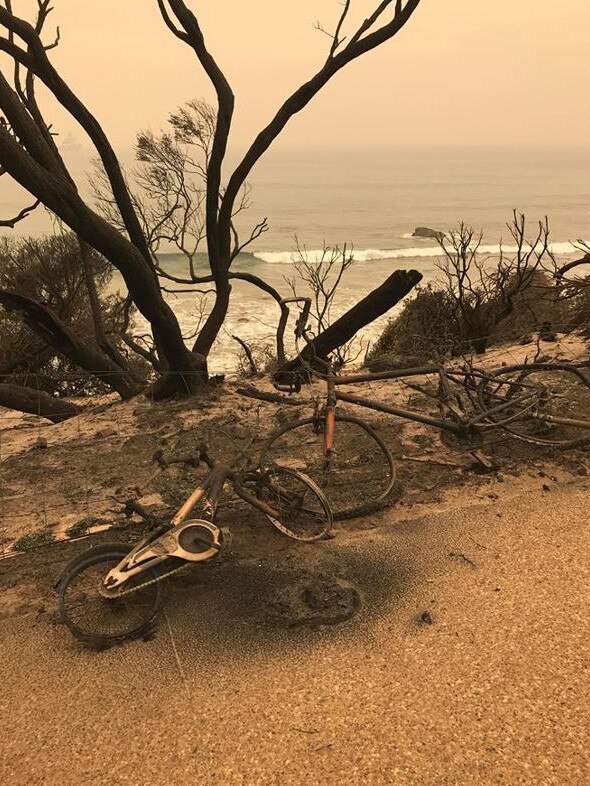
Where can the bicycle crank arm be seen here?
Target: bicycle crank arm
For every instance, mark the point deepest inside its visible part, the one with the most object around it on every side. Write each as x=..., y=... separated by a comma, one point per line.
x=194, y=541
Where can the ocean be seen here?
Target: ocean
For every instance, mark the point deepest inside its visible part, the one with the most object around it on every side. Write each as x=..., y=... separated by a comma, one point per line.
x=372, y=201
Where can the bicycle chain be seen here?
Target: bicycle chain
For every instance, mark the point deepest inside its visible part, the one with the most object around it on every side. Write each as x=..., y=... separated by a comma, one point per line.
x=145, y=584
x=185, y=566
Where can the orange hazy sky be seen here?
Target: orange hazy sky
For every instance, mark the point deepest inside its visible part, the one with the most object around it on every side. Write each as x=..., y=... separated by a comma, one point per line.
x=462, y=72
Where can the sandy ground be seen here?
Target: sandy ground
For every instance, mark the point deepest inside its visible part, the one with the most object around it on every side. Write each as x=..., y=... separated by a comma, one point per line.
x=493, y=691
x=53, y=476
x=465, y=661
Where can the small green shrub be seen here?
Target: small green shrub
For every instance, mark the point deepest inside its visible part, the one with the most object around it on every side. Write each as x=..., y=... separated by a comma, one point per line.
x=123, y=523
x=81, y=527
x=35, y=540
x=176, y=488
x=6, y=492
x=430, y=325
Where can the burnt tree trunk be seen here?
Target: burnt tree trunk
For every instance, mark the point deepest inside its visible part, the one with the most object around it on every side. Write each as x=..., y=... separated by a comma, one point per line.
x=58, y=335
x=36, y=402
x=29, y=154
x=102, y=339
x=216, y=318
x=58, y=194
x=374, y=305
x=221, y=203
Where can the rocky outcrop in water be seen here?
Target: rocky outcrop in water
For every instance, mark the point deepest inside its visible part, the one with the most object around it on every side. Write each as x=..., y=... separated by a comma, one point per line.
x=426, y=232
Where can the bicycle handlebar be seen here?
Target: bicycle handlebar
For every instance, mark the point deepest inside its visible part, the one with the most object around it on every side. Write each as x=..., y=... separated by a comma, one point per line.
x=294, y=384
x=301, y=324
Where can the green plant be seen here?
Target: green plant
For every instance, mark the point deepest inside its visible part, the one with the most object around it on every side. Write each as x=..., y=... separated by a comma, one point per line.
x=53, y=272
x=123, y=523
x=6, y=492
x=175, y=488
x=35, y=540
x=81, y=527
x=481, y=300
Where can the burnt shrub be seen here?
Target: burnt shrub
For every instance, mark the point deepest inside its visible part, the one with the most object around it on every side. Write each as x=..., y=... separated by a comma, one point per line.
x=427, y=326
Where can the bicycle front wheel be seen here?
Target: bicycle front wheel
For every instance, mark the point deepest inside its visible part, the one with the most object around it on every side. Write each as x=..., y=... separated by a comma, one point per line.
x=558, y=409
x=303, y=512
x=356, y=478
x=98, y=621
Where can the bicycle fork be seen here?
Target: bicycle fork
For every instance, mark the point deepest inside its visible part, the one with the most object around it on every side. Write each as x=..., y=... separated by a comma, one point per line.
x=330, y=422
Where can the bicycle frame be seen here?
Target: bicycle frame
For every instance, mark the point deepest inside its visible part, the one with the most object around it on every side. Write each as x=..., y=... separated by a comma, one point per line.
x=332, y=380
x=166, y=541
x=479, y=420
x=476, y=421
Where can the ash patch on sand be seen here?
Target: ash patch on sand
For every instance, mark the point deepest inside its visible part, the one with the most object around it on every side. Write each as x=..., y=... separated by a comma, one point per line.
x=315, y=600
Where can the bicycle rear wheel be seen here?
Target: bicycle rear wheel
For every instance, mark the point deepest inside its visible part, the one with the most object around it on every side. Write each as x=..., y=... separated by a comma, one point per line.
x=505, y=395
x=558, y=411
x=356, y=478
x=303, y=511
x=99, y=621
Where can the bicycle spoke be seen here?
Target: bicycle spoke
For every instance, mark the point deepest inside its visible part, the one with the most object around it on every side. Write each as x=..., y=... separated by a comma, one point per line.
x=94, y=618
x=291, y=518
x=358, y=474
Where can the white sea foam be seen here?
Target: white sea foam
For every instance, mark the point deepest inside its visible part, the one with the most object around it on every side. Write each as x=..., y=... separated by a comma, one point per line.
x=368, y=254
x=286, y=257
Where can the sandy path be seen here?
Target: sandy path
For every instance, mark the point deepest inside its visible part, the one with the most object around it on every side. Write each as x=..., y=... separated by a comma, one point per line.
x=495, y=691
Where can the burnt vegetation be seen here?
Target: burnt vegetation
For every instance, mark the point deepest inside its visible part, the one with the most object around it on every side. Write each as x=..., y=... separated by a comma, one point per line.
x=177, y=196
x=482, y=300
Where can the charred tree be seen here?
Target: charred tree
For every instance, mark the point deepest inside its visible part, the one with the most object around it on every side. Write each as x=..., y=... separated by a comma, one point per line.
x=29, y=154
x=36, y=402
x=374, y=305
x=58, y=335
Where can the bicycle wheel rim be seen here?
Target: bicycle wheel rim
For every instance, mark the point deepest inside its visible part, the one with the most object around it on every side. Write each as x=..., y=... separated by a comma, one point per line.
x=100, y=621
x=505, y=396
x=564, y=395
x=303, y=511
x=356, y=478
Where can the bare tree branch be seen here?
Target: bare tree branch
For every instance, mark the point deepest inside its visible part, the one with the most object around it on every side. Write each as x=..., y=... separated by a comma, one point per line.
x=483, y=290
x=337, y=40
x=248, y=353
x=304, y=94
x=11, y=222
x=170, y=24
x=37, y=61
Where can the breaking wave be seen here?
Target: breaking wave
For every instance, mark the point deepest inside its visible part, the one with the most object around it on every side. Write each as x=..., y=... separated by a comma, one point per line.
x=368, y=254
